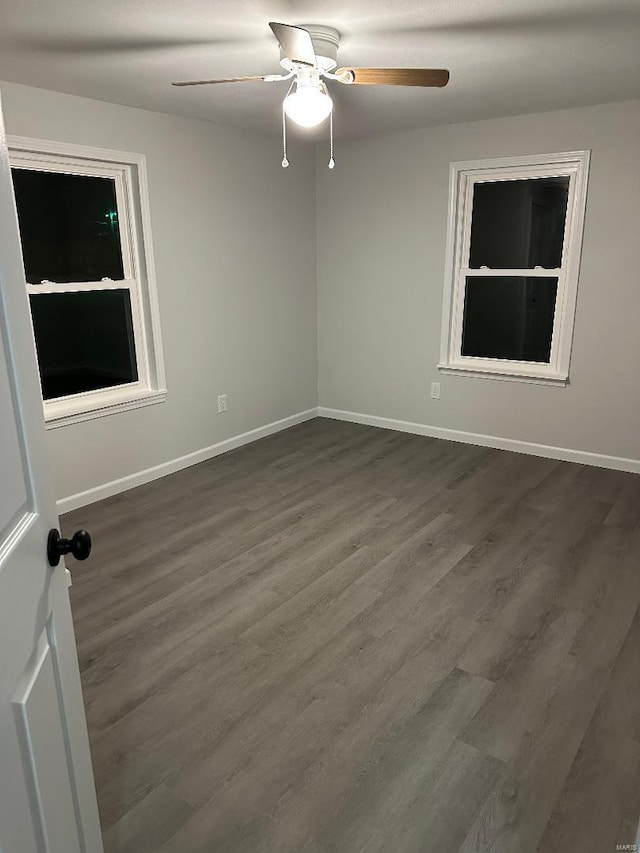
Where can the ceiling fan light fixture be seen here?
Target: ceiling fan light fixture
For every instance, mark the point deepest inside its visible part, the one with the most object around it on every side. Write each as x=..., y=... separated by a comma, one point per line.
x=310, y=53
x=308, y=106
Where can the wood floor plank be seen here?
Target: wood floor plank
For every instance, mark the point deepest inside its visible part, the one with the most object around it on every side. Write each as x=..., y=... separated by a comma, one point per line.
x=603, y=788
x=341, y=639
x=618, y=711
x=148, y=825
x=514, y=815
x=394, y=771
x=536, y=672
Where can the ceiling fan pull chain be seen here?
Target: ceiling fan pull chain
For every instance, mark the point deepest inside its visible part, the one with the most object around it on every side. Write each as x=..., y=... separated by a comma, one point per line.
x=331, y=162
x=285, y=162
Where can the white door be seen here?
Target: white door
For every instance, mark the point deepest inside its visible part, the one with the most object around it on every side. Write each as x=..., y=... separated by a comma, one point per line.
x=47, y=793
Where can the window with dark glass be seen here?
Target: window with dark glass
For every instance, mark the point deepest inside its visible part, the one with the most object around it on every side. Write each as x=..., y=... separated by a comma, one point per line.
x=519, y=224
x=81, y=303
x=510, y=317
x=516, y=246
x=84, y=341
x=68, y=226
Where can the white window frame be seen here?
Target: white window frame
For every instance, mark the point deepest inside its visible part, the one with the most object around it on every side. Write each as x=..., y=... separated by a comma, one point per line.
x=462, y=179
x=134, y=221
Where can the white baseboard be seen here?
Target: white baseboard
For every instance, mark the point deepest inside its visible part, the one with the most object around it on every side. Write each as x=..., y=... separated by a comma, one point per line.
x=565, y=454
x=106, y=490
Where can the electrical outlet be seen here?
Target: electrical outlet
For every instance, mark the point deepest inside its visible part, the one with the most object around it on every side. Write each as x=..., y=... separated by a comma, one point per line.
x=435, y=390
x=222, y=403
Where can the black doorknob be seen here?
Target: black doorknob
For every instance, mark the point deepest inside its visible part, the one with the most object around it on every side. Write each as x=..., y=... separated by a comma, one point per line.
x=79, y=545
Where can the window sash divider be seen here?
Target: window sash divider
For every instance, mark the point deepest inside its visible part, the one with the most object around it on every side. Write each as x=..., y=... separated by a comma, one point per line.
x=81, y=286
x=490, y=272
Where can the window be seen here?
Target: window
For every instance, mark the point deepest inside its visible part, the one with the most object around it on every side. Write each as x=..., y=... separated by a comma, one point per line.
x=513, y=254
x=86, y=245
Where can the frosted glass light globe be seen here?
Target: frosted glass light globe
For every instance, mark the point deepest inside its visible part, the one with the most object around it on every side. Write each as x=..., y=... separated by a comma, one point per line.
x=308, y=106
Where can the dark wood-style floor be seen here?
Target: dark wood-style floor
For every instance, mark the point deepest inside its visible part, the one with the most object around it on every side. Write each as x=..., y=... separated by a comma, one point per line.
x=344, y=639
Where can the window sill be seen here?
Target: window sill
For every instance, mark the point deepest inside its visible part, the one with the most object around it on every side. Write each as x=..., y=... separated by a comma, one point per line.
x=509, y=374
x=74, y=411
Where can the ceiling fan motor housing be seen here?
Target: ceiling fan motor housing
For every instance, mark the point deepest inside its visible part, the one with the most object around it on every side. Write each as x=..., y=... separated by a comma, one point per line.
x=325, y=44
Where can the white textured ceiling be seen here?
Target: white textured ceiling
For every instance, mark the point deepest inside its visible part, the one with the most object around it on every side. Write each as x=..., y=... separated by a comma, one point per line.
x=505, y=56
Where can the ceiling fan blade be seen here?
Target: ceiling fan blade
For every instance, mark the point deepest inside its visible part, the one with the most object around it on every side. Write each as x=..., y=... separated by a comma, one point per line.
x=295, y=42
x=394, y=76
x=219, y=80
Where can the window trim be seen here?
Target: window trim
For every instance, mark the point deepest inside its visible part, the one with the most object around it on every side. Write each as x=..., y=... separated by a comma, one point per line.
x=462, y=177
x=134, y=222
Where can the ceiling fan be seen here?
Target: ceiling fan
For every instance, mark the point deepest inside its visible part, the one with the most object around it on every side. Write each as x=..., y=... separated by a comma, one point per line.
x=309, y=57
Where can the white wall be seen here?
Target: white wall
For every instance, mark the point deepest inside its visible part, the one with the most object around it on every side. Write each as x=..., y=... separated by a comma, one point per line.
x=235, y=244
x=235, y=248
x=382, y=216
